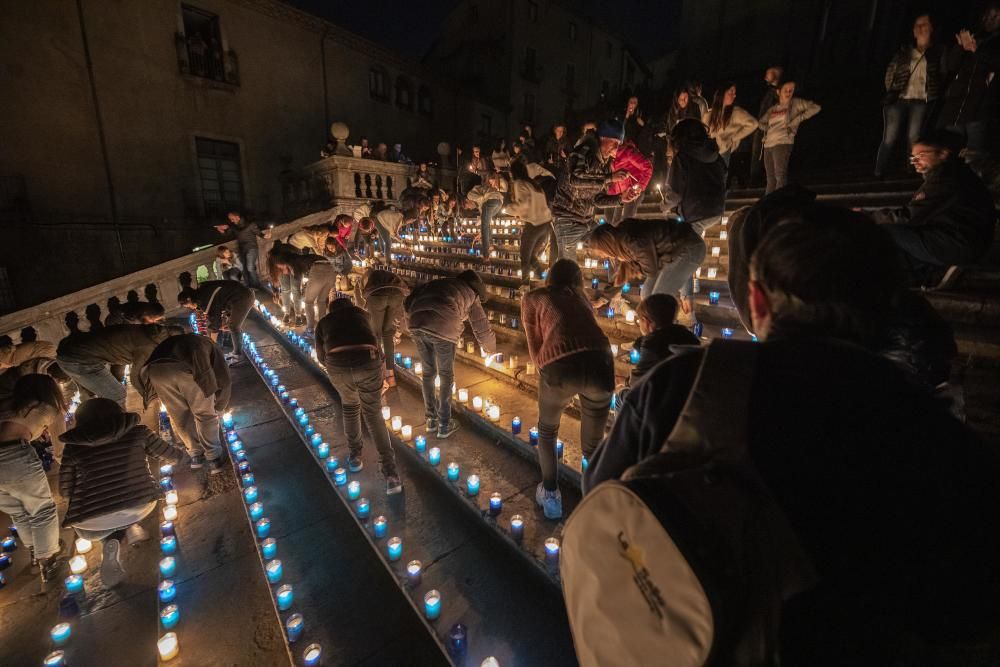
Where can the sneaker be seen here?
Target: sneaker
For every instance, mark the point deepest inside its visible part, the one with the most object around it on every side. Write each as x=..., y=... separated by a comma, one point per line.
x=48, y=568
x=112, y=571
x=136, y=534
x=309, y=334
x=393, y=485
x=234, y=360
x=949, y=279
x=354, y=463
x=216, y=467
x=197, y=462
x=300, y=320
x=550, y=502
x=432, y=424
x=287, y=319
x=447, y=429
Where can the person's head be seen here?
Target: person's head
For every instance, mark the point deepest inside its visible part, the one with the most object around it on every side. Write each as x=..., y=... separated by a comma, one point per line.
x=422, y=167
x=772, y=75
x=559, y=131
x=519, y=171
x=97, y=413
x=991, y=16
x=476, y=151
x=398, y=148
x=234, y=217
x=728, y=95
x=923, y=29
x=632, y=104
x=364, y=142
x=657, y=311
x=223, y=252
x=366, y=226
x=382, y=148
x=500, y=145
x=332, y=247
x=694, y=87
x=472, y=279
x=933, y=149
x=786, y=92
x=682, y=99
x=688, y=132
x=338, y=303
x=29, y=335
x=722, y=107
x=343, y=221
x=35, y=391
x=529, y=131
x=187, y=298
x=6, y=341
x=517, y=147
x=832, y=275
x=610, y=133
x=565, y=274
x=589, y=126
x=143, y=312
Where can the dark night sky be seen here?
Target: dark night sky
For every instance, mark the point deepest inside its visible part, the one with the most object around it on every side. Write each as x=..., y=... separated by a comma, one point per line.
x=409, y=28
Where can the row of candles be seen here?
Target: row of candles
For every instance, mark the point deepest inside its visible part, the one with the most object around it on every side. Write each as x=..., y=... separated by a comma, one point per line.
x=284, y=593
x=168, y=645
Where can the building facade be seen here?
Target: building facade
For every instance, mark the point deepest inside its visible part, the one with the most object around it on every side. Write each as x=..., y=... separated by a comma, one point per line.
x=538, y=59
x=126, y=124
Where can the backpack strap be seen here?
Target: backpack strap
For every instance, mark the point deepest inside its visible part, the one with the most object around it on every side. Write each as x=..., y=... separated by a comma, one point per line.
x=715, y=418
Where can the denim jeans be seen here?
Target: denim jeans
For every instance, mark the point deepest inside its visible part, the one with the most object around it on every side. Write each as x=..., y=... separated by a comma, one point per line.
x=676, y=270
x=192, y=413
x=316, y=294
x=384, y=313
x=386, y=241
x=569, y=232
x=489, y=209
x=532, y=240
x=290, y=289
x=776, y=165
x=624, y=212
x=248, y=257
x=591, y=376
x=912, y=113
x=359, y=395
x=238, y=312
x=26, y=497
x=94, y=377
x=438, y=357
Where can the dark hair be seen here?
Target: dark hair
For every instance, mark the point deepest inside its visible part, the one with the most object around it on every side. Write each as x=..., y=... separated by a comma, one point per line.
x=719, y=114
x=836, y=276
x=660, y=309
x=343, y=217
x=187, y=294
x=6, y=341
x=95, y=413
x=519, y=171
x=565, y=274
x=688, y=131
x=942, y=140
x=29, y=334
x=141, y=309
x=34, y=389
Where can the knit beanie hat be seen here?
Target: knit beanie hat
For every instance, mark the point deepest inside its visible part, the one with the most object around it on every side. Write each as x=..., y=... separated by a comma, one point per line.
x=611, y=129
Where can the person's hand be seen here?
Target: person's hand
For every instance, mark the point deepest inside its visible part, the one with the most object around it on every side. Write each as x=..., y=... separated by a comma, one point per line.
x=222, y=229
x=967, y=41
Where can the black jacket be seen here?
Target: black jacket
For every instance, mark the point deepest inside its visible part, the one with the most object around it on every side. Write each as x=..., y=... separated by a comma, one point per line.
x=199, y=356
x=655, y=347
x=886, y=492
x=230, y=293
x=246, y=234
x=119, y=344
x=971, y=91
x=581, y=179
x=344, y=325
x=897, y=74
x=440, y=308
x=105, y=470
x=696, y=182
x=554, y=148
x=645, y=243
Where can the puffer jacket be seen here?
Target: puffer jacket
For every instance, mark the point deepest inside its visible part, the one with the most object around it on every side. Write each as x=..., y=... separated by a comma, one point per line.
x=696, y=182
x=345, y=325
x=105, y=470
x=441, y=307
x=120, y=344
x=644, y=243
x=897, y=74
x=639, y=169
x=15, y=355
x=971, y=91
x=202, y=358
x=740, y=126
x=581, y=179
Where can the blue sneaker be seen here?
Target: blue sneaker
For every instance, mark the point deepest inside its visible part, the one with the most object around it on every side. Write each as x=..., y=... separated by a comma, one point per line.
x=550, y=501
x=354, y=462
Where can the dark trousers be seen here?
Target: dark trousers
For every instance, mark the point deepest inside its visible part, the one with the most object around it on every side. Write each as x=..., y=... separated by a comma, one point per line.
x=488, y=210
x=359, y=395
x=438, y=357
x=384, y=312
x=589, y=375
x=908, y=114
x=929, y=249
x=238, y=311
x=532, y=241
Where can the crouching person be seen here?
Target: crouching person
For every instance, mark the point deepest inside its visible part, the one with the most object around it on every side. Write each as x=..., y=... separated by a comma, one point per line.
x=348, y=348
x=190, y=375
x=106, y=478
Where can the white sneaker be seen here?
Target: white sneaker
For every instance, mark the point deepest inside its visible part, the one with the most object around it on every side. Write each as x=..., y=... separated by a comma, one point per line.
x=112, y=571
x=550, y=501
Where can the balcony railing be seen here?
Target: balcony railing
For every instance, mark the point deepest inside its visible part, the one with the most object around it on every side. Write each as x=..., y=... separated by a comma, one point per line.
x=207, y=61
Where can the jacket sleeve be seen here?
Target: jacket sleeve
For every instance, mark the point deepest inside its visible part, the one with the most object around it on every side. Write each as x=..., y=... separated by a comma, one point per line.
x=890, y=73
x=577, y=164
x=641, y=169
x=745, y=126
x=646, y=256
x=159, y=448
x=481, y=327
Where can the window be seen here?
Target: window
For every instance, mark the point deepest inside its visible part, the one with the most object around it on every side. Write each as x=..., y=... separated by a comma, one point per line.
x=486, y=125
x=528, y=114
x=533, y=12
x=607, y=48
x=221, y=177
x=377, y=89
x=425, y=101
x=572, y=31
x=203, y=44
x=404, y=93
x=570, y=78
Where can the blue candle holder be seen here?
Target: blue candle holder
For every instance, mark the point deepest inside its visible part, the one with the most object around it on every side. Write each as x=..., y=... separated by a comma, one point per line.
x=453, y=471
x=241, y=455
x=247, y=480
x=496, y=503
x=332, y=463
x=340, y=477
x=250, y=495
x=309, y=430
x=552, y=549
x=285, y=595
x=398, y=357
x=394, y=548
x=284, y=396
x=274, y=571
x=299, y=412
x=243, y=467
x=559, y=449
x=713, y=298
x=432, y=604
x=166, y=470
x=263, y=526
x=8, y=544
x=168, y=567
x=293, y=403
x=363, y=508
x=379, y=526
x=472, y=485
x=420, y=444
x=55, y=659
x=169, y=616
x=610, y=313
x=167, y=591
x=231, y=437
x=236, y=446
x=256, y=511
x=626, y=288
x=294, y=626
x=434, y=456
x=698, y=329
x=165, y=484
x=458, y=642
x=323, y=450
x=515, y=425
x=408, y=362
x=227, y=420
x=60, y=633
x=354, y=490
x=168, y=545
x=166, y=528
x=727, y=332
x=533, y=436
x=316, y=439
x=594, y=282
x=633, y=356
x=74, y=583
x=517, y=527
x=282, y=389
x=584, y=463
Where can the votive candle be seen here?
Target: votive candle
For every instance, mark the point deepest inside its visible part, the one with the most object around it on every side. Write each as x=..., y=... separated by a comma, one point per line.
x=394, y=548
x=77, y=564
x=453, y=471
x=169, y=616
x=406, y=433
x=515, y=425
x=168, y=545
x=269, y=548
x=74, y=583
x=364, y=507
x=552, y=548
x=354, y=490
x=247, y=479
x=517, y=527
x=294, y=626
x=312, y=655
x=340, y=477
x=397, y=424
x=168, y=566
x=284, y=595
x=386, y=413
x=477, y=403
x=379, y=526
x=250, y=495
x=432, y=604
x=494, y=413
x=55, y=659
x=263, y=526
x=463, y=395
x=83, y=545
x=533, y=436
x=274, y=571
x=420, y=444
x=472, y=485
x=168, y=646
x=167, y=590
x=170, y=512
x=413, y=569
x=434, y=456
x=323, y=450
x=256, y=511
x=496, y=503
x=170, y=497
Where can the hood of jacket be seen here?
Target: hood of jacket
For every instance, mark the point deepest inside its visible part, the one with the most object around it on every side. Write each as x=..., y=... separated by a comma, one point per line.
x=95, y=435
x=706, y=150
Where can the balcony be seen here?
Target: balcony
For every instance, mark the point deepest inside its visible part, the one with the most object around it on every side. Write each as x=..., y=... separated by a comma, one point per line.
x=209, y=63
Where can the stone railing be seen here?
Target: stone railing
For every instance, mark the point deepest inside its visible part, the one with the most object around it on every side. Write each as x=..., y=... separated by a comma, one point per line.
x=342, y=183
x=56, y=318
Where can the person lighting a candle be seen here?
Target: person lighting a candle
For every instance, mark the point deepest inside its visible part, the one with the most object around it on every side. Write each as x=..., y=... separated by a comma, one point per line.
x=382, y=293
x=105, y=476
x=436, y=312
x=225, y=305
x=348, y=348
x=574, y=359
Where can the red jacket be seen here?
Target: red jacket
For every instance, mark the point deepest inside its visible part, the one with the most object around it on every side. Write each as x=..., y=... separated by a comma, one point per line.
x=635, y=163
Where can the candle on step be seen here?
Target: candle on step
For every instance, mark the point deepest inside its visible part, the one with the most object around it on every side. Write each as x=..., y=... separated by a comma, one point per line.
x=74, y=583
x=406, y=433
x=77, y=564
x=364, y=507
x=515, y=425
x=227, y=419
x=434, y=456
x=269, y=548
x=472, y=485
x=421, y=444
x=397, y=424
x=529, y=368
x=312, y=655
x=256, y=511
x=552, y=548
x=559, y=449
x=340, y=477
x=630, y=316
x=407, y=362
x=496, y=503
x=250, y=495
x=263, y=527
x=633, y=356
x=167, y=590
x=354, y=490
x=166, y=528
x=316, y=439
x=169, y=616
x=463, y=395
x=168, y=545
x=323, y=450
x=477, y=403
x=453, y=471
x=55, y=659
x=394, y=548
x=168, y=566
x=386, y=413
x=533, y=436
x=274, y=570
x=494, y=413
x=170, y=497
x=166, y=470
x=418, y=368
x=294, y=626
x=284, y=595
x=517, y=527
x=432, y=604
x=713, y=297
x=727, y=332
x=247, y=479
x=168, y=646
x=83, y=545
x=379, y=526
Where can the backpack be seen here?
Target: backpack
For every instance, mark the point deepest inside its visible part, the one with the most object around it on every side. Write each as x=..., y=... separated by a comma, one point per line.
x=688, y=559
